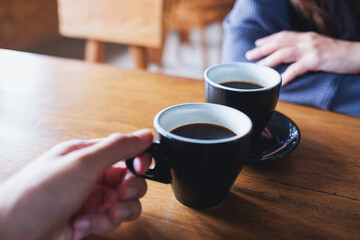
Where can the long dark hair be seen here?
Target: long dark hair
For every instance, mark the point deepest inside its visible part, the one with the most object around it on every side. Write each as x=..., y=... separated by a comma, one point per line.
x=326, y=15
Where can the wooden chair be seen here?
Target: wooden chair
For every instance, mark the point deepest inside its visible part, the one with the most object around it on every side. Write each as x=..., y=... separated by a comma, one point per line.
x=138, y=24
x=184, y=15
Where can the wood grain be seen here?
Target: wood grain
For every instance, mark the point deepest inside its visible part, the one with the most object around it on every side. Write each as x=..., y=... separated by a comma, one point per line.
x=254, y=209
x=25, y=23
x=327, y=158
x=313, y=193
x=117, y=21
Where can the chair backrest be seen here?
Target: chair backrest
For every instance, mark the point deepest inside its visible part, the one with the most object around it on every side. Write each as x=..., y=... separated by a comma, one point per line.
x=131, y=22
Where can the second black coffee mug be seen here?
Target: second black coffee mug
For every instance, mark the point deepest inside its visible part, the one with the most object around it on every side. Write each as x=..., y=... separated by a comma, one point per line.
x=200, y=150
x=248, y=87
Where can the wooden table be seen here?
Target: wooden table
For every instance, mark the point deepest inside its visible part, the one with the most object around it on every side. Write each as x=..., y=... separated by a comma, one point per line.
x=314, y=193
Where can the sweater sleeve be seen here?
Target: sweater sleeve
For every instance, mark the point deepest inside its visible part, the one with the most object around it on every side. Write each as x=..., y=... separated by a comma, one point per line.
x=253, y=19
x=248, y=21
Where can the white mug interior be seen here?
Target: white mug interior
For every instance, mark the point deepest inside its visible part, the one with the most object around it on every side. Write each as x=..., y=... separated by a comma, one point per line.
x=190, y=113
x=264, y=76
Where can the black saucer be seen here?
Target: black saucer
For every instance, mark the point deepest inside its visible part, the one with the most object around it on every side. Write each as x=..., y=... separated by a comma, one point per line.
x=279, y=138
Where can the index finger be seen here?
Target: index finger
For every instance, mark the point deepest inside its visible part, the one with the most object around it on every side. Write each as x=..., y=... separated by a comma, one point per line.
x=282, y=36
x=114, y=148
x=115, y=174
x=268, y=45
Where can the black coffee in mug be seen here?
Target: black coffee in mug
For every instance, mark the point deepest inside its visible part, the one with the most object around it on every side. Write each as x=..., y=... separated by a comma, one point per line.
x=239, y=84
x=203, y=131
x=200, y=149
x=257, y=98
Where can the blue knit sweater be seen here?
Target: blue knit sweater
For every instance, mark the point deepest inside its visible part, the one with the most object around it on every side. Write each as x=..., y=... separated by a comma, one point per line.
x=253, y=19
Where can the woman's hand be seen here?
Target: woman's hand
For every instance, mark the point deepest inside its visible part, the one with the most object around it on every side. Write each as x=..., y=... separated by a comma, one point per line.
x=307, y=52
x=75, y=189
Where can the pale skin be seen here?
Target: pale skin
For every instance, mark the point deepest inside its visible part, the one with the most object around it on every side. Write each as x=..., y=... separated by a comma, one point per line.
x=306, y=51
x=77, y=188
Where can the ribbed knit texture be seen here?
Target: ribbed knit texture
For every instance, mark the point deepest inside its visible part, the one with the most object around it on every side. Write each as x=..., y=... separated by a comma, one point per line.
x=253, y=19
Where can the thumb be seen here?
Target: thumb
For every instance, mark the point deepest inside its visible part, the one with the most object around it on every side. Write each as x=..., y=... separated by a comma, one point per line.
x=114, y=148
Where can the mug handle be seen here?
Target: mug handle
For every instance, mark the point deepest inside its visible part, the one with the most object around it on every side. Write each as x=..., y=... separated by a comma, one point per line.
x=161, y=171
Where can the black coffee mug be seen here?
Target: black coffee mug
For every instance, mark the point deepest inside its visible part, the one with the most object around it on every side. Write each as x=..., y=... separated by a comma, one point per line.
x=248, y=87
x=201, y=171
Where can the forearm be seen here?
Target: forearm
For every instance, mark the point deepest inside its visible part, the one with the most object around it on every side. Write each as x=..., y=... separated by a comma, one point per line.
x=27, y=209
x=13, y=223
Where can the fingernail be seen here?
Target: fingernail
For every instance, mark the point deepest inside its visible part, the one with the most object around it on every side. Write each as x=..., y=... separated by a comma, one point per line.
x=122, y=213
x=82, y=224
x=144, y=135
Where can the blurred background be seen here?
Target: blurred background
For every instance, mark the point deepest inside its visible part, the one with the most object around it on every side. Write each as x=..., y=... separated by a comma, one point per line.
x=190, y=42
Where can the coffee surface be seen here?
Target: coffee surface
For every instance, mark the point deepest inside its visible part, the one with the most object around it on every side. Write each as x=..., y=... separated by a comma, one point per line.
x=203, y=131
x=241, y=84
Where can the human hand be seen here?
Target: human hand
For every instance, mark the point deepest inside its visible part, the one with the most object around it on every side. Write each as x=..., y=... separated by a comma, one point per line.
x=307, y=51
x=75, y=189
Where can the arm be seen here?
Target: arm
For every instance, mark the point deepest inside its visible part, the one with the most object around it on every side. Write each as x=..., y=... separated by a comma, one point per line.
x=251, y=20
x=306, y=52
